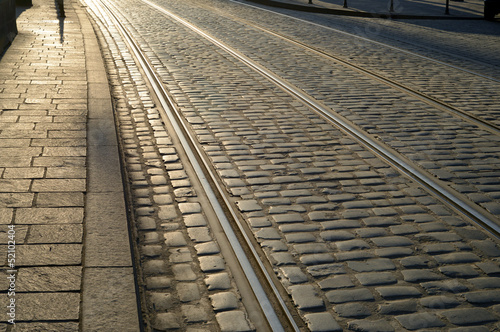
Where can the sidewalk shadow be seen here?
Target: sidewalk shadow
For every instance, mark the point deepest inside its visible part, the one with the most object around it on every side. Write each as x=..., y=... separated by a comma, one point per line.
x=61, y=15
x=20, y=10
x=61, y=29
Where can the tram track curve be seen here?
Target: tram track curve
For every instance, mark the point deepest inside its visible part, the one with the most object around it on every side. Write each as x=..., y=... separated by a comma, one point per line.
x=439, y=103
x=374, y=42
x=478, y=214
x=481, y=123
x=261, y=283
x=303, y=98
x=482, y=113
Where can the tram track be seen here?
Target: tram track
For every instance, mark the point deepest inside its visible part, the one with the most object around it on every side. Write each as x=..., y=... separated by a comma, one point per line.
x=454, y=199
x=265, y=292
x=378, y=43
x=442, y=105
x=479, y=117
x=435, y=102
x=283, y=318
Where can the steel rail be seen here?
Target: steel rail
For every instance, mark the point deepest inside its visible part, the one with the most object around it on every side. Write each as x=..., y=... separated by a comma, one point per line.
x=454, y=199
x=201, y=168
x=483, y=124
x=435, y=102
x=373, y=42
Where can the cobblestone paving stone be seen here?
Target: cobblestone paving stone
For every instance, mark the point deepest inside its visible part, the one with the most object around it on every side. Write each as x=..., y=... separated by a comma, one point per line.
x=43, y=110
x=356, y=245
x=184, y=279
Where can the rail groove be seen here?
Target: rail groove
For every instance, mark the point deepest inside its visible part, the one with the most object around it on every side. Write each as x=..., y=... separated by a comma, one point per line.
x=222, y=205
x=446, y=194
x=392, y=83
x=373, y=42
x=224, y=210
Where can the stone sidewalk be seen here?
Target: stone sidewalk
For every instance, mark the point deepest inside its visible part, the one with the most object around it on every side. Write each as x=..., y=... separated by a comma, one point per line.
x=65, y=248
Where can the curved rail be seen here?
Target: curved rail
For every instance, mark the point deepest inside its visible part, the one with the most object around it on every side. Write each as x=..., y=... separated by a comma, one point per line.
x=454, y=199
x=435, y=102
x=374, y=42
x=392, y=83
x=215, y=193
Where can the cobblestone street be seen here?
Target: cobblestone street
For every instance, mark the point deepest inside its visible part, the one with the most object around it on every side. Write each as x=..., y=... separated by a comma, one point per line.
x=117, y=230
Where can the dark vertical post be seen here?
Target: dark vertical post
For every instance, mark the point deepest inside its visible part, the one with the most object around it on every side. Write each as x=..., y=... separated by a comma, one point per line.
x=447, y=11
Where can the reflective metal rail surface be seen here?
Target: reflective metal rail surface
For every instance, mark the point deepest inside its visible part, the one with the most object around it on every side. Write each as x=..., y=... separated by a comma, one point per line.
x=277, y=288
x=447, y=194
x=255, y=272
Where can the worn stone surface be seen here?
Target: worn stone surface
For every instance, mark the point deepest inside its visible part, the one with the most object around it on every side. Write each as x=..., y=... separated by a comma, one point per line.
x=60, y=306
x=469, y=316
x=233, y=321
x=107, y=285
x=224, y=301
x=349, y=295
x=49, y=216
x=371, y=325
x=399, y=307
x=322, y=322
x=420, y=321
x=306, y=297
x=49, y=254
x=71, y=233
x=49, y=279
x=105, y=217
